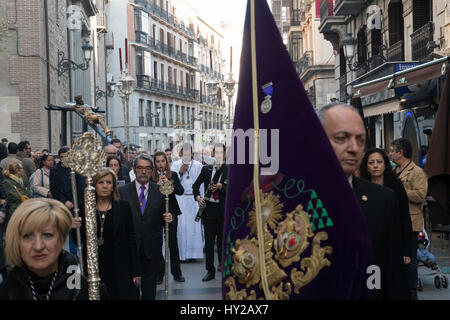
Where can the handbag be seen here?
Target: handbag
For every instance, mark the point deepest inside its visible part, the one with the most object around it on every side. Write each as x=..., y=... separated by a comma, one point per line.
x=23, y=198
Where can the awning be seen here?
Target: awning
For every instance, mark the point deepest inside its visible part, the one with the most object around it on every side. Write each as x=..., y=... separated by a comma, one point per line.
x=423, y=72
x=387, y=107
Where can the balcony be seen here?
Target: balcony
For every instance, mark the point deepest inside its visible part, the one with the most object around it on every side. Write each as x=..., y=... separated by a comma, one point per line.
x=419, y=40
x=161, y=47
x=164, y=88
x=162, y=14
x=295, y=17
x=349, y=7
x=141, y=121
x=327, y=17
x=396, y=52
x=305, y=62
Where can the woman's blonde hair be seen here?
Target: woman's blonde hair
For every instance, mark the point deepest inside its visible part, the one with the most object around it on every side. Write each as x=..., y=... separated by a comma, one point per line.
x=103, y=173
x=13, y=168
x=32, y=215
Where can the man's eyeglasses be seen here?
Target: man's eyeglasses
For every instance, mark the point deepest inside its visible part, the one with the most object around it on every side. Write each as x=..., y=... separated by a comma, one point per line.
x=143, y=168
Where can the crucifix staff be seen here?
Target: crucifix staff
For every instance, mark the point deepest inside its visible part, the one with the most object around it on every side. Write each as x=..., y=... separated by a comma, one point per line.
x=166, y=189
x=69, y=161
x=88, y=159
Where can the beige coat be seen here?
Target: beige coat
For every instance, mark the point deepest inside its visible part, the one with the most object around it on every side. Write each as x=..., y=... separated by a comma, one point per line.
x=43, y=190
x=416, y=185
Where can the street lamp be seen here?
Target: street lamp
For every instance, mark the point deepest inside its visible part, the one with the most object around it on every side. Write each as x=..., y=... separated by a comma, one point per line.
x=125, y=87
x=349, y=47
x=65, y=64
x=110, y=87
x=213, y=89
x=229, y=86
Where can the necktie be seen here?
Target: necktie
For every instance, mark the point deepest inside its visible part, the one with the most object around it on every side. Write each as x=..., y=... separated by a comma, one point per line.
x=142, y=200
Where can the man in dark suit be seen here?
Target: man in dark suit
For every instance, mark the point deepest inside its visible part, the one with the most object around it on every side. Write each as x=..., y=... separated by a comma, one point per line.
x=346, y=132
x=61, y=189
x=148, y=207
x=213, y=215
x=159, y=176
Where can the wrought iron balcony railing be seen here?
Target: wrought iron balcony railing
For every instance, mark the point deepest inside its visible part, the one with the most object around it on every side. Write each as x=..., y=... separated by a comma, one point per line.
x=396, y=52
x=419, y=40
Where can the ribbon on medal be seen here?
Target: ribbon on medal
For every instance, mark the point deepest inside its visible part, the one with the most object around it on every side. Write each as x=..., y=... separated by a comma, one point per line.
x=266, y=105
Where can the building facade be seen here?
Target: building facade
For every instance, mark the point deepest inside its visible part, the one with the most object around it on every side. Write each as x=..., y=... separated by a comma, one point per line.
x=176, y=59
x=391, y=39
x=312, y=55
x=42, y=34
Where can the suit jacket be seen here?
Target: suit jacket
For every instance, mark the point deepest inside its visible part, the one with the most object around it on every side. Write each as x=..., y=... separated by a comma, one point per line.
x=61, y=186
x=380, y=208
x=205, y=178
x=177, y=190
x=415, y=182
x=148, y=226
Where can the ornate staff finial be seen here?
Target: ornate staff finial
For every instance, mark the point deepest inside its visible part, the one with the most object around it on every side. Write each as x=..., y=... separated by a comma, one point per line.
x=166, y=189
x=87, y=158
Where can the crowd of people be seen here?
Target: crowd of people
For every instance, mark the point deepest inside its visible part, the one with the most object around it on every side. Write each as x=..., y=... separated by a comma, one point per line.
x=131, y=214
x=37, y=226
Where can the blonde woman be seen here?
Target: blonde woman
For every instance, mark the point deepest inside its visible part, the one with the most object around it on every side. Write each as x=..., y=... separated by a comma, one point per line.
x=35, y=240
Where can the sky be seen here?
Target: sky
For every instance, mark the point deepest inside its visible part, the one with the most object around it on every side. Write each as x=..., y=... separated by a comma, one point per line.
x=226, y=17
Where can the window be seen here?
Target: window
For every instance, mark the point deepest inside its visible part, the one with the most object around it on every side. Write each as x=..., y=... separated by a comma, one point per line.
x=170, y=113
x=296, y=46
x=169, y=75
x=162, y=72
x=163, y=111
x=155, y=71
x=141, y=112
x=139, y=63
x=147, y=63
x=395, y=22
x=156, y=114
x=149, y=113
x=362, y=45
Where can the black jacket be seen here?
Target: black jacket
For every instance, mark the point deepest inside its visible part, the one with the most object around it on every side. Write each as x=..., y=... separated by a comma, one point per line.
x=177, y=190
x=148, y=226
x=61, y=187
x=205, y=178
x=379, y=206
x=126, y=261
x=17, y=284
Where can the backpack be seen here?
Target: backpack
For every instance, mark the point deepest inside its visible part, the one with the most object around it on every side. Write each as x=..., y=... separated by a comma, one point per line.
x=35, y=194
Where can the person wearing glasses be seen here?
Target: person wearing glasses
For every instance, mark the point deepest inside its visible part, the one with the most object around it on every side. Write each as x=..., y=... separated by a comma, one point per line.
x=148, y=209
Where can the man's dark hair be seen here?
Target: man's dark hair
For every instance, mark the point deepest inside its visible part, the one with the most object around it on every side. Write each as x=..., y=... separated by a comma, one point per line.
x=63, y=149
x=4, y=140
x=12, y=148
x=115, y=140
x=404, y=145
x=168, y=149
x=131, y=148
x=142, y=157
x=22, y=145
x=3, y=152
x=108, y=160
x=45, y=151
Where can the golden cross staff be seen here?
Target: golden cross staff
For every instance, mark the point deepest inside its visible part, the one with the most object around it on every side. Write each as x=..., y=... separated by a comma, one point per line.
x=88, y=159
x=69, y=162
x=166, y=189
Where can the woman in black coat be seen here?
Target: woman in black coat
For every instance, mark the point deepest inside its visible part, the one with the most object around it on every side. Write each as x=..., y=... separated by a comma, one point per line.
x=377, y=168
x=117, y=253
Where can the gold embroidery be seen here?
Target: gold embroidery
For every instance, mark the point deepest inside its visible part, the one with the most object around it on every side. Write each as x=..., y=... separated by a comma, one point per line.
x=314, y=263
x=279, y=294
x=271, y=211
x=292, y=236
x=233, y=294
x=246, y=262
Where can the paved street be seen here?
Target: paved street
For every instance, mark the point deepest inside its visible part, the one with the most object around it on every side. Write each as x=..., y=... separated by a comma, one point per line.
x=441, y=249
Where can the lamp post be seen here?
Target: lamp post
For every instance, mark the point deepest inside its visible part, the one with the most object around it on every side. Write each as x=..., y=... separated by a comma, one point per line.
x=230, y=89
x=125, y=87
x=213, y=88
x=349, y=46
x=64, y=64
